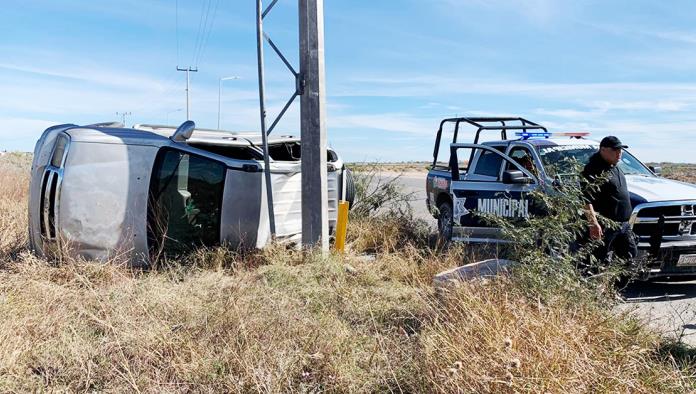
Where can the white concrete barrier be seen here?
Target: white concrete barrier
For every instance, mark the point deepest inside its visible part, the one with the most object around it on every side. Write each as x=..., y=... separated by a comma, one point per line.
x=480, y=269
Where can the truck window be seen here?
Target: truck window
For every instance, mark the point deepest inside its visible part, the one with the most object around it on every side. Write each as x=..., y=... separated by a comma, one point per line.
x=567, y=159
x=185, y=202
x=524, y=158
x=489, y=163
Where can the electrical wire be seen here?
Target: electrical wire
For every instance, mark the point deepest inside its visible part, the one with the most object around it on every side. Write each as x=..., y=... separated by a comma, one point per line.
x=176, y=23
x=202, y=48
x=205, y=10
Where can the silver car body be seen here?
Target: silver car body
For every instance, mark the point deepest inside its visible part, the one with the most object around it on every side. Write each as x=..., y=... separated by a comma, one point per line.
x=91, y=188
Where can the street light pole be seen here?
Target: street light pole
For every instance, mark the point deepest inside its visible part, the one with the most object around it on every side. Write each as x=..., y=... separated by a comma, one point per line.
x=220, y=95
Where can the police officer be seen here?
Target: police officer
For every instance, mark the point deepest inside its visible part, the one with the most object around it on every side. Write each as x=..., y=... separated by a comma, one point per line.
x=606, y=193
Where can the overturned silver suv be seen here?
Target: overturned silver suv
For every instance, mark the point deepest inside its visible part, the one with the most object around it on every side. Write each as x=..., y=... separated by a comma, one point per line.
x=104, y=189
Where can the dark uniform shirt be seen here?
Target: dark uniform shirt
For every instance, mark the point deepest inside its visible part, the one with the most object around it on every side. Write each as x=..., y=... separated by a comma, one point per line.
x=609, y=198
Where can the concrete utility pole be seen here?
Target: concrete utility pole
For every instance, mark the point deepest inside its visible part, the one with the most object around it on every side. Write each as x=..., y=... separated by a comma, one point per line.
x=220, y=95
x=315, y=223
x=188, y=82
x=123, y=116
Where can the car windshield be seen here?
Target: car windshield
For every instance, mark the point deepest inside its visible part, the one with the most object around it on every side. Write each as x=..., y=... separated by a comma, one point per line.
x=567, y=159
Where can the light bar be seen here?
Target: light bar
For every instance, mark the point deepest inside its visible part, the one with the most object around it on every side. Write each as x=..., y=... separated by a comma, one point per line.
x=529, y=134
x=576, y=134
x=544, y=134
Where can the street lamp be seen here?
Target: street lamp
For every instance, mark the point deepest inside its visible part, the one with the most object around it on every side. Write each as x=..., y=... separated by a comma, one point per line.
x=220, y=95
x=171, y=112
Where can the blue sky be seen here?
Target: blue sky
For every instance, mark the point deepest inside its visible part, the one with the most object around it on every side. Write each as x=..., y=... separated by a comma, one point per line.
x=394, y=68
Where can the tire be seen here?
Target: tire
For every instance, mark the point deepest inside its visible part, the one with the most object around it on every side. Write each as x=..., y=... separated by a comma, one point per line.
x=350, y=188
x=445, y=221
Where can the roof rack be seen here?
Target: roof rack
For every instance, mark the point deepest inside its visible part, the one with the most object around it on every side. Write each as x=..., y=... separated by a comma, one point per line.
x=501, y=124
x=483, y=124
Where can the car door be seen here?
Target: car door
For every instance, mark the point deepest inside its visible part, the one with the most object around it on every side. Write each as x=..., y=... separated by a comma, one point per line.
x=488, y=187
x=185, y=202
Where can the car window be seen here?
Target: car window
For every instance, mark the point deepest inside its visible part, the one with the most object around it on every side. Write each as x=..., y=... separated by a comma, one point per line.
x=631, y=166
x=524, y=158
x=489, y=163
x=185, y=202
x=565, y=160
x=569, y=159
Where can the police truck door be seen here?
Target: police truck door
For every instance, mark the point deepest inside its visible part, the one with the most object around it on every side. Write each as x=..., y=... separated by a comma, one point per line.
x=495, y=184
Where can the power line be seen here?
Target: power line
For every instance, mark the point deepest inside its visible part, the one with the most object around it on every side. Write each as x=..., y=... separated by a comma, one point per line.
x=176, y=18
x=203, y=47
x=200, y=27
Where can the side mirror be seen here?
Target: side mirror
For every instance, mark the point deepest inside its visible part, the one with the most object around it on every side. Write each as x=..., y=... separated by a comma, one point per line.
x=656, y=170
x=184, y=131
x=516, y=177
x=331, y=156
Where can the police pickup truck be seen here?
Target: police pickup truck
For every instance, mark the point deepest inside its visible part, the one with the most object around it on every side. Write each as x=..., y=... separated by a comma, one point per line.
x=495, y=177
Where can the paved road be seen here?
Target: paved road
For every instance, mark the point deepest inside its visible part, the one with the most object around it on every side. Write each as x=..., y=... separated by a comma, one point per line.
x=669, y=307
x=414, y=184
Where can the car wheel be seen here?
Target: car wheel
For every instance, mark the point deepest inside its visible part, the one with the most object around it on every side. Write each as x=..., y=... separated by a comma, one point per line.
x=350, y=188
x=444, y=221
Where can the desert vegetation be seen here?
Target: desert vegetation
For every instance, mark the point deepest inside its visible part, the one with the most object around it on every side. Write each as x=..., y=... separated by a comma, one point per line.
x=391, y=167
x=283, y=320
x=679, y=171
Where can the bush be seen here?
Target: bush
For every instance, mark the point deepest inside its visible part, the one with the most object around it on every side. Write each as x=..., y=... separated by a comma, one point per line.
x=381, y=219
x=377, y=193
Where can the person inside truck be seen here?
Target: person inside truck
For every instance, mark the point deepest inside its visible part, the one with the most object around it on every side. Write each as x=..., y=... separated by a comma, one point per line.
x=528, y=164
x=606, y=193
x=524, y=159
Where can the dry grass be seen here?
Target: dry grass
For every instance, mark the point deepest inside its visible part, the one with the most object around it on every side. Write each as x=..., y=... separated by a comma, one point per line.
x=496, y=342
x=680, y=172
x=406, y=166
x=14, y=178
x=280, y=320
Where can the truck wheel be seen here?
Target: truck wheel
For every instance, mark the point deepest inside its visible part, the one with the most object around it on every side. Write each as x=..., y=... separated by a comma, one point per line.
x=444, y=221
x=350, y=188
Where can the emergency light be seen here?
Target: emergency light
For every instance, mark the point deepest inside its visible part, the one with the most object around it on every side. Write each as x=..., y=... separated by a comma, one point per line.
x=574, y=134
x=529, y=134
x=544, y=134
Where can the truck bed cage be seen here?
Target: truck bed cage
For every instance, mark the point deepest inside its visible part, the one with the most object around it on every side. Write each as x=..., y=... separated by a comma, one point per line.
x=486, y=123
